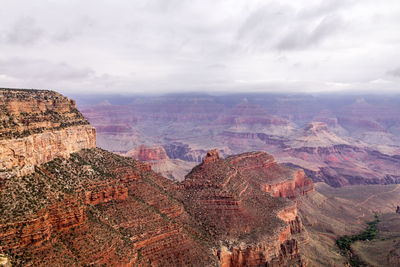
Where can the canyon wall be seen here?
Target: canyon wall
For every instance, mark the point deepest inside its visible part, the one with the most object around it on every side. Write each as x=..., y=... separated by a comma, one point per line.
x=38, y=126
x=253, y=228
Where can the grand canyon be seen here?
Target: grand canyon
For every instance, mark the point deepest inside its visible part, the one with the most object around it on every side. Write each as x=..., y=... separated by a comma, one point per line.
x=197, y=180
x=337, y=139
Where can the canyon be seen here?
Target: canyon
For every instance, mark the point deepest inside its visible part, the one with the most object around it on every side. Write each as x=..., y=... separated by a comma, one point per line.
x=185, y=201
x=341, y=140
x=75, y=204
x=156, y=156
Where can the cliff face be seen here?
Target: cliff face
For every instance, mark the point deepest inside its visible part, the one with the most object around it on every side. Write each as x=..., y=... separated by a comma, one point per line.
x=19, y=156
x=174, y=169
x=100, y=208
x=38, y=126
x=253, y=228
x=147, y=153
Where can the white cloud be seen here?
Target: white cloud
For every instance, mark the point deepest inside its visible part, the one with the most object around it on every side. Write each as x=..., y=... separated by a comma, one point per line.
x=169, y=45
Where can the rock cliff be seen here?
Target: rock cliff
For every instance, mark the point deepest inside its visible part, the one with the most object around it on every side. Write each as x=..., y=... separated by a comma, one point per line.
x=147, y=153
x=38, y=126
x=174, y=169
x=253, y=228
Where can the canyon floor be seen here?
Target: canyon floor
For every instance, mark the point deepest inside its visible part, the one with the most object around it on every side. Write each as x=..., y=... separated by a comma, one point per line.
x=329, y=213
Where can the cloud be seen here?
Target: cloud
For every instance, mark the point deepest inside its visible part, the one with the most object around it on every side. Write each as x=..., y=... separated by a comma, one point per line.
x=262, y=25
x=325, y=7
x=284, y=27
x=40, y=73
x=24, y=32
x=300, y=37
x=394, y=72
x=173, y=45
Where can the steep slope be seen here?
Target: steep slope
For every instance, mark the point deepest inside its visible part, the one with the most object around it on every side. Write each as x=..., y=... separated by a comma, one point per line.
x=38, y=126
x=96, y=208
x=65, y=203
x=253, y=228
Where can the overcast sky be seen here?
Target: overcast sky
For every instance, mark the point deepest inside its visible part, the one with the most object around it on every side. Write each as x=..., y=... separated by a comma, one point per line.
x=200, y=45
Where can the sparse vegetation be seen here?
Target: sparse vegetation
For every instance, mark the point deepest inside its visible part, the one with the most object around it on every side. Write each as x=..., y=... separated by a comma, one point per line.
x=344, y=242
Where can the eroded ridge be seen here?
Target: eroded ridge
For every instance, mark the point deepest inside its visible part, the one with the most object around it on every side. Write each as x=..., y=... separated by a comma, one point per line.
x=252, y=227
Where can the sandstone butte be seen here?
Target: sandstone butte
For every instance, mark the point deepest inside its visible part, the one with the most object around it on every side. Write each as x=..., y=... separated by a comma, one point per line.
x=65, y=202
x=147, y=153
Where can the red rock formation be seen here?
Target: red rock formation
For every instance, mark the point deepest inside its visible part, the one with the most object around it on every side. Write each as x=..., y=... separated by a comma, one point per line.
x=212, y=156
x=33, y=232
x=97, y=208
x=225, y=194
x=39, y=126
x=299, y=185
x=147, y=153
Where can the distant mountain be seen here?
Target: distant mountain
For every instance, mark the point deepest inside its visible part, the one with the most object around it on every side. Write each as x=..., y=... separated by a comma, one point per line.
x=342, y=140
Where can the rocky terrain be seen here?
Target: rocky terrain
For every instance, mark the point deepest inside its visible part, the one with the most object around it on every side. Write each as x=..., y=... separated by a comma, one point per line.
x=38, y=126
x=66, y=203
x=156, y=156
x=328, y=213
x=339, y=139
x=254, y=228
x=77, y=205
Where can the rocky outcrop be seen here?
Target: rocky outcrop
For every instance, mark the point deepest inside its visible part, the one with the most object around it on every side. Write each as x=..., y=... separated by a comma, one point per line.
x=27, y=112
x=94, y=208
x=174, y=169
x=177, y=150
x=20, y=156
x=279, y=250
x=291, y=188
x=212, y=156
x=285, y=253
x=38, y=126
x=147, y=153
x=227, y=196
x=272, y=177
x=101, y=208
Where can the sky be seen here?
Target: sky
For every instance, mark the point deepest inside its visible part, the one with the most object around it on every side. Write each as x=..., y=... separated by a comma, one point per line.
x=158, y=46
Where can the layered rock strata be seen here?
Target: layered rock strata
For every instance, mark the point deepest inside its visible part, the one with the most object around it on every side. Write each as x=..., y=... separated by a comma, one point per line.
x=38, y=126
x=253, y=228
x=93, y=207
x=174, y=169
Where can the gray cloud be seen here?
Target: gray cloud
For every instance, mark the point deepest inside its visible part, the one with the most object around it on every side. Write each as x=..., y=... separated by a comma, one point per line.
x=324, y=7
x=394, y=72
x=18, y=72
x=24, y=32
x=170, y=45
x=300, y=38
